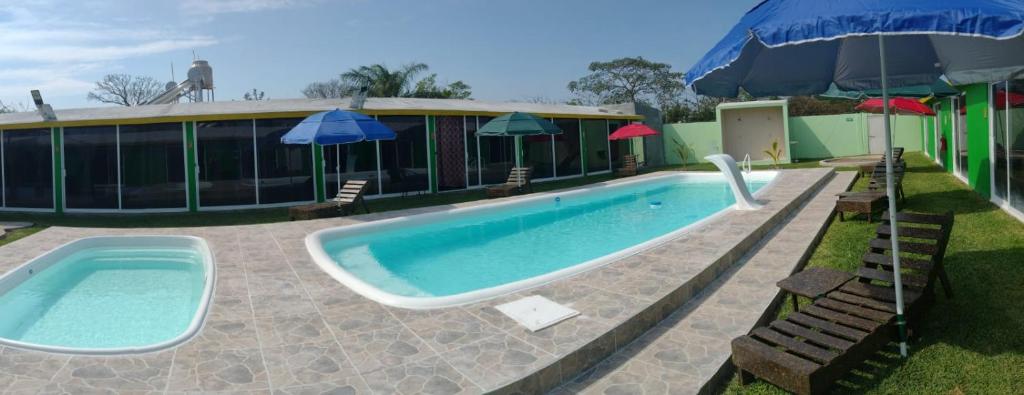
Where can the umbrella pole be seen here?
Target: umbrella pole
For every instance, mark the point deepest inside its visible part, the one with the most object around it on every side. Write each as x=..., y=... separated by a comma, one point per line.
x=890, y=189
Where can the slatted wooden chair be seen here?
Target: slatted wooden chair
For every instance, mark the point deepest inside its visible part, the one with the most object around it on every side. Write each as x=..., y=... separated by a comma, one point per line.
x=518, y=182
x=877, y=181
x=812, y=348
x=351, y=194
x=629, y=166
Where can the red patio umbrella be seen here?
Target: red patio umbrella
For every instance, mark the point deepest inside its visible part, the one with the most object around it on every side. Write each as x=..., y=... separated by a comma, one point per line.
x=898, y=105
x=632, y=130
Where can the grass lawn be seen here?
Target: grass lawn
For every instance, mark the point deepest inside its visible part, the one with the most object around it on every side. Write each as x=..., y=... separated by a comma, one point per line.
x=972, y=343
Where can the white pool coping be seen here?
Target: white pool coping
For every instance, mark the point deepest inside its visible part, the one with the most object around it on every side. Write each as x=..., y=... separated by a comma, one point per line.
x=14, y=278
x=314, y=244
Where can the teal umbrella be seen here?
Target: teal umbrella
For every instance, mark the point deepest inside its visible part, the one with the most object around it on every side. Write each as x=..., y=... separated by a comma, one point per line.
x=518, y=124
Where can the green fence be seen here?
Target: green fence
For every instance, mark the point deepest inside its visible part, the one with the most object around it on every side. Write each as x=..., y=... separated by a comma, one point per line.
x=811, y=137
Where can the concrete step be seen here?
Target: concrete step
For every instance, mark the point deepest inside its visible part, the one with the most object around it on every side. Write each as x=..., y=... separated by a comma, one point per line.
x=688, y=351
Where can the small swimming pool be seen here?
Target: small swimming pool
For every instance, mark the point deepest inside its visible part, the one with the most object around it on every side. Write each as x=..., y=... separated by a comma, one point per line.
x=465, y=255
x=108, y=295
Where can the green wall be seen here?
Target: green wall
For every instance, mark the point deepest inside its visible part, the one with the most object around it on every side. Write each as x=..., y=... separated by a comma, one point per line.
x=978, y=166
x=701, y=139
x=907, y=132
x=828, y=136
x=929, y=138
x=56, y=139
x=190, y=166
x=810, y=137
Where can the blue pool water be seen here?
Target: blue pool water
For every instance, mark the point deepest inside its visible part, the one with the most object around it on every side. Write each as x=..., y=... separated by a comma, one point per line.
x=106, y=297
x=500, y=245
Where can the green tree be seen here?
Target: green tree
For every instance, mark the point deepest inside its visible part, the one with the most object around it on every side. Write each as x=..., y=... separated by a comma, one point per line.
x=628, y=80
x=6, y=108
x=330, y=89
x=382, y=81
x=428, y=88
x=254, y=95
x=808, y=105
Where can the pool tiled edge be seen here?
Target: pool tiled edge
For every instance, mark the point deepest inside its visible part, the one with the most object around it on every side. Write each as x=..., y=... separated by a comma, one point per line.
x=280, y=324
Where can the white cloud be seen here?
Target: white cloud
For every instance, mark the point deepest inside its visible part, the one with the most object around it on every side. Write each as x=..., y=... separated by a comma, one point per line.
x=210, y=7
x=62, y=54
x=90, y=52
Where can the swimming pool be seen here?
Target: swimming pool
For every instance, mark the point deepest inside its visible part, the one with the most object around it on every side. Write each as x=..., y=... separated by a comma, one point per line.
x=108, y=295
x=468, y=254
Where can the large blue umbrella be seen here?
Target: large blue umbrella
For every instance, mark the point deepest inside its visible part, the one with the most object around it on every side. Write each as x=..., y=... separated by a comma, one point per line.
x=801, y=47
x=337, y=127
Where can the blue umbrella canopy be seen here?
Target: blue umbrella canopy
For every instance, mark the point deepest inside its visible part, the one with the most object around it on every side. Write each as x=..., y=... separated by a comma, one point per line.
x=939, y=89
x=337, y=127
x=801, y=47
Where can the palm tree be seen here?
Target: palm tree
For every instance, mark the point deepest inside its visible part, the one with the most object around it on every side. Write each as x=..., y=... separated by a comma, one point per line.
x=383, y=82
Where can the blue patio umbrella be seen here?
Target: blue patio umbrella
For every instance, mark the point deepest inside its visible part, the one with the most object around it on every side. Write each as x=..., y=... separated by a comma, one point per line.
x=337, y=127
x=801, y=47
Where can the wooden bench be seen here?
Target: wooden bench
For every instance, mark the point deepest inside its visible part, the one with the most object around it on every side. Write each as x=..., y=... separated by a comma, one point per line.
x=629, y=166
x=809, y=350
x=862, y=203
x=518, y=182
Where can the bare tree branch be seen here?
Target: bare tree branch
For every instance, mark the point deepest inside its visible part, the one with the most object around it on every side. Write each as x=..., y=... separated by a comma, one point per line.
x=331, y=89
x=125, y=90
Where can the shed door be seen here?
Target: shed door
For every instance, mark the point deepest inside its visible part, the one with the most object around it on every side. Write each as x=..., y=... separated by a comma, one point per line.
x=876, y=134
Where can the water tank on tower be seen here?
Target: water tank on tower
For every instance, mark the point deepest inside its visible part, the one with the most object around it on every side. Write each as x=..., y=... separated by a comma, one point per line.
x=200, y=75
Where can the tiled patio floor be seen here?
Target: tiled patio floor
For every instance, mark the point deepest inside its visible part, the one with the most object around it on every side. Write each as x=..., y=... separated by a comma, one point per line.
x=687, y=352
x=279, y=324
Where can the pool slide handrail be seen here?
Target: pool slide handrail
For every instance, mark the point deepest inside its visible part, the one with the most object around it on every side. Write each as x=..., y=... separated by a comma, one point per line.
x=725, y=163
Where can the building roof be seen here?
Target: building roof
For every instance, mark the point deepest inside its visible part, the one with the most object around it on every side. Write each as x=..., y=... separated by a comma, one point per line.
x=177, y=112
x=752, y=104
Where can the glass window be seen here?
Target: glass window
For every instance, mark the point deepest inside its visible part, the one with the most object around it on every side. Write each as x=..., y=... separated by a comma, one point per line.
x=497, y=157
x=567, y=148
x=472, y=152
x=1015, y=144
x=90, y=167
x=227, y=164
x=619, y=148
x=999, y=129
x=596, y=135
x=152, y=166
x=537, y=154
x=345, y=162
x=451, y=153
x=404, y=160
x=28, y=168
x=285, y=170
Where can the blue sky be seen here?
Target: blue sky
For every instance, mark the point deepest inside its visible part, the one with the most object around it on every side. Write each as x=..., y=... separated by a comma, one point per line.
x=506, y=50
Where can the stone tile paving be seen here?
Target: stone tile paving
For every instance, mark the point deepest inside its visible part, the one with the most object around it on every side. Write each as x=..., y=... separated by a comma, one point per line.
x=278, y=324
x=687, y=352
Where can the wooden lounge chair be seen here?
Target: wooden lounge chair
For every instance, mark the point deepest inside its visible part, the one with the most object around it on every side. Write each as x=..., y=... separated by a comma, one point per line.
x=350, y=194
x=629, y=166
x=518, y=182
x=812, y=348
x=877, y=181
